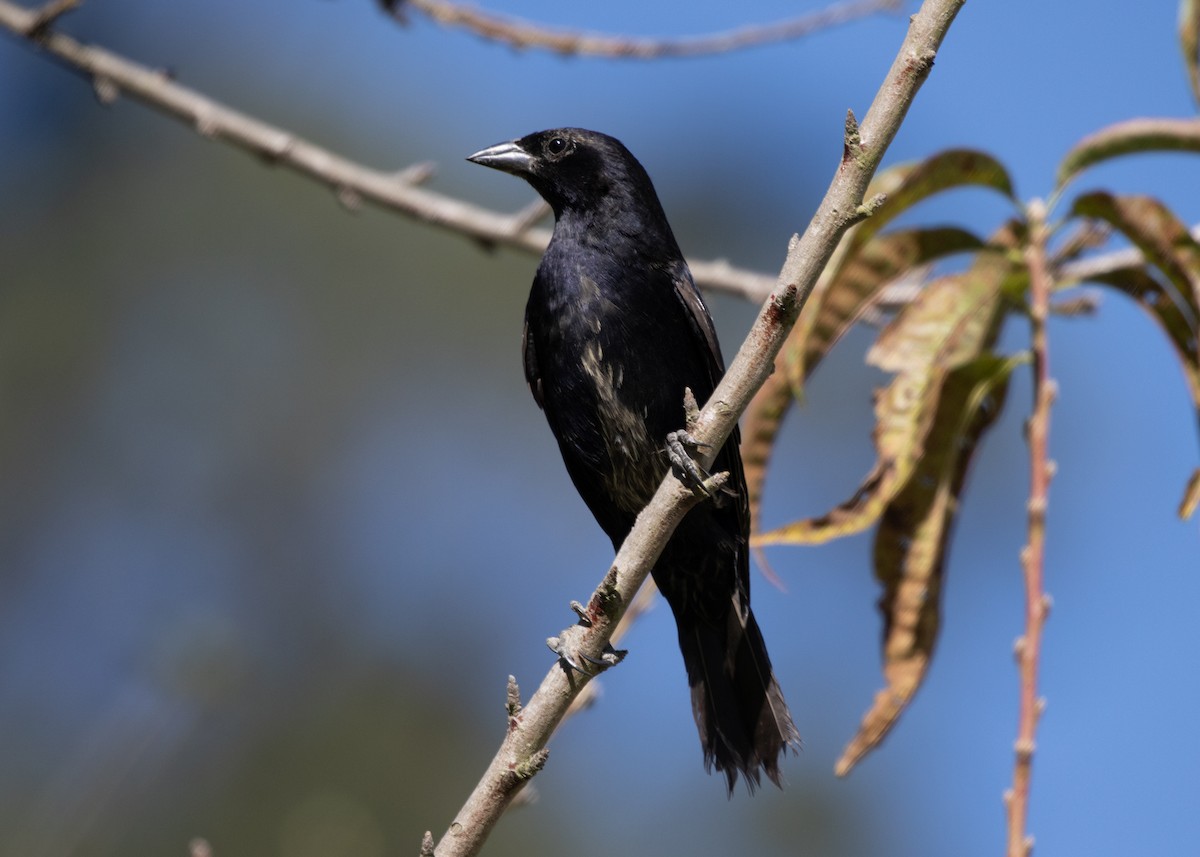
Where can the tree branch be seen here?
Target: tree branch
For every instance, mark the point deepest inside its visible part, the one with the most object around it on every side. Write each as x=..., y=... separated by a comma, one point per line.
x=523, y=747
x=353, y=183
x=523, y=750
x=525, y=34
x=1033, y=556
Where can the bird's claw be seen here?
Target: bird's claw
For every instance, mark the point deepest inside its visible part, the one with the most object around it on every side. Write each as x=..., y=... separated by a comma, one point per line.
x=685, y=468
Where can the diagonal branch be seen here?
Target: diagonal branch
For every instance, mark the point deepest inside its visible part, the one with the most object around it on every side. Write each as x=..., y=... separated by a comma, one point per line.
x=525, y=34
x=523, y=750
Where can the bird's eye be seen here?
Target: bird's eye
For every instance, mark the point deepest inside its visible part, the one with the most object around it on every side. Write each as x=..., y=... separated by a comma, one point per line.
x=556, y=146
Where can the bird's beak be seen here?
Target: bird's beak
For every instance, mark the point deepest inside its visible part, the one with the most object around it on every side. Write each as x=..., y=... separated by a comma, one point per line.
x=508, y=157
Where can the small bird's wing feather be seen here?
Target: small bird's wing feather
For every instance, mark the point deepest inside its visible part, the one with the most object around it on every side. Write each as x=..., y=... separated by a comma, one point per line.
x=697, y=313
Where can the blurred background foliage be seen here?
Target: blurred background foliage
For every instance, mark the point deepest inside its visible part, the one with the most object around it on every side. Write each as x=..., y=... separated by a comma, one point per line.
x=278, y=515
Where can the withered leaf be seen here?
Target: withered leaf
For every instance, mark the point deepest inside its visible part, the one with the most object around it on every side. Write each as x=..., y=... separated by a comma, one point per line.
x=1129, y=137
x=952, y=321
x=913, y=536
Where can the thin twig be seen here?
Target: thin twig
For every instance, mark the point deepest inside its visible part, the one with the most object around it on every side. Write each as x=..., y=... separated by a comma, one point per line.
x=1033, y=556
x=1081, y=270
x=352, y=182
x=525, y=34
x=396, y=191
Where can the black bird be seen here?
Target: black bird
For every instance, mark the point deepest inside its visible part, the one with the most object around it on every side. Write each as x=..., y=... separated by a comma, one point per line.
x=615, y=330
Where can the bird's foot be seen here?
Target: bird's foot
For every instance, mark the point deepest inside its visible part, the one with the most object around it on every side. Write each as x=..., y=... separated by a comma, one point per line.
x=680, y=445
x=568, y=645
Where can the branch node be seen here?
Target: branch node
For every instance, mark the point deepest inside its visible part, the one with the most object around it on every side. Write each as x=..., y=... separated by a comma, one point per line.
x=106, y=90
x=527, y=769
x=349, y=199
x=205, y=124
x=427, y=844
x=417, y=174
x=278, y=148
x=920, y=64
x=852, y=139
x=1024, y=748
x=512, y=703
x=1019, y=649
x=45, y=17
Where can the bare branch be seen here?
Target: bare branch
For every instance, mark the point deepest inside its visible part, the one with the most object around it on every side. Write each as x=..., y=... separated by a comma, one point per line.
x=525, y=34
x=353, y=183
x=1033, y=556
x=523, y=748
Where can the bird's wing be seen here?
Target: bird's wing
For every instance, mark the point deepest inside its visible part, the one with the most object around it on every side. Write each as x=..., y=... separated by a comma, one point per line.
x=697, y=314
x=729, y=458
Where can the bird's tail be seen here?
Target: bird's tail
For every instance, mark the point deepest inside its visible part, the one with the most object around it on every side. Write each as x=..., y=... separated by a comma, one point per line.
x=744, y=723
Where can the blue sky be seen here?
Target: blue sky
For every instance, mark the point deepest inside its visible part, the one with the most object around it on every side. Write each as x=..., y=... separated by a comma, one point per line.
x=208, y=405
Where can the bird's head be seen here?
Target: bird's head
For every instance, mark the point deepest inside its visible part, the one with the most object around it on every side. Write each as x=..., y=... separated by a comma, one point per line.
x=575, y=170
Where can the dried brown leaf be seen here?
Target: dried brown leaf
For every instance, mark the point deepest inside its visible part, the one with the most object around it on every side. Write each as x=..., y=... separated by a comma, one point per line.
x=1157, y=232
x=828, y=314
x=1129, y=137
x=911, y=543
x=1189, y=42
x=949, y=323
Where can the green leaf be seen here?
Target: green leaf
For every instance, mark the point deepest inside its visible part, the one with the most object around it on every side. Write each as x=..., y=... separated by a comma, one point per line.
x=912, y=540
x=1189, y=42
x=948, y=324
x=1157, y=232
x=1132, y=136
